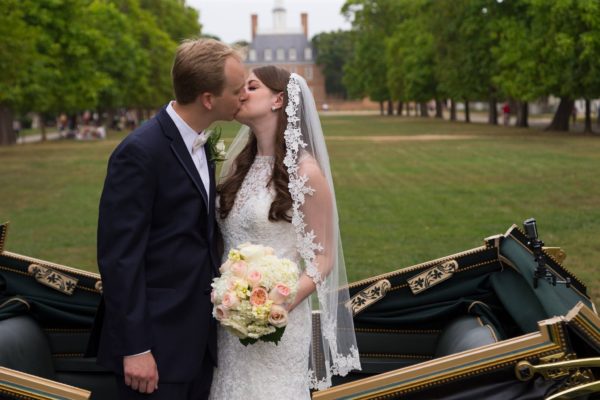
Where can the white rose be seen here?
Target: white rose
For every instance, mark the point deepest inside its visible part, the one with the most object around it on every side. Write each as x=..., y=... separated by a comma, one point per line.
x=220, y=147
x=252, y=252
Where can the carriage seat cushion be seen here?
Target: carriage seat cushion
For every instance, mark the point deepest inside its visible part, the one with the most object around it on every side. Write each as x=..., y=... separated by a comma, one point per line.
x=24, y=347
x=464, y=333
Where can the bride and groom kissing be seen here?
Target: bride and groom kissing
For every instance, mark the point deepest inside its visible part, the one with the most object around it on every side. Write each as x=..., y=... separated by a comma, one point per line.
x=163, y=216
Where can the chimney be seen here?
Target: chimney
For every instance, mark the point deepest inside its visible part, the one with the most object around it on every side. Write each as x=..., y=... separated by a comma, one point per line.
x=254, y=23
x=304, y=22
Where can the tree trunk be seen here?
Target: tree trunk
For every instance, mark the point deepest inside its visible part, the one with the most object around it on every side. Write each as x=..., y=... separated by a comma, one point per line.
x=467, y=112
x=439, y=109
x=381, y=107
x=523, y=114
x=390, y=107
x=400, y=107
x=560, y=122
x=493, y=113
x=424, y=109
x=7, y=133
x=42, y=127
x=110, y=118
x=588, y=117
x=452, y=110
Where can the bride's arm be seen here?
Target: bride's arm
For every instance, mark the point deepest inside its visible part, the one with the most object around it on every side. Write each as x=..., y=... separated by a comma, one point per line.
x=318, y=216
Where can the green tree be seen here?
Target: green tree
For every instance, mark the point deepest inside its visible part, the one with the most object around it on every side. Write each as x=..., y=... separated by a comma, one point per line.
x=174, y=17
x=64, y=75
x=333, y=50
x=152, y=86
x=410, y=57
x=365, y=74
x=17, y=52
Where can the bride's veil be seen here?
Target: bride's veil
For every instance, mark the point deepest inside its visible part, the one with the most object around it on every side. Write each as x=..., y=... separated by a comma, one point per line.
x=333, y=346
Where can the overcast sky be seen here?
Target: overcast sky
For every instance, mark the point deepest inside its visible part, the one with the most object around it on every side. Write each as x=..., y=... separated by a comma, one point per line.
x=230, y=19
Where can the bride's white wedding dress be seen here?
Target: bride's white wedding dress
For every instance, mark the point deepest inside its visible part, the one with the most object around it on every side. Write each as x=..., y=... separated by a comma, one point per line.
x=262, y=370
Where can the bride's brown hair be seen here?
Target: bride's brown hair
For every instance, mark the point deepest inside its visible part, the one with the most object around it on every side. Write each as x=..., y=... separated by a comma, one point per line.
x=276, y=79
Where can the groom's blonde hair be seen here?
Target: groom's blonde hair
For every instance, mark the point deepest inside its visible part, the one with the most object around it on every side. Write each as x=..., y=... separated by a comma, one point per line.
x=199, y=67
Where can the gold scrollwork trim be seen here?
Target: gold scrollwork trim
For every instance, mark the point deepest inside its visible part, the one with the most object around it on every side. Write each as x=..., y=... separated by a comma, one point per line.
x=367, y=297
x=432, y=277
x=419, y=267
x=56, y=280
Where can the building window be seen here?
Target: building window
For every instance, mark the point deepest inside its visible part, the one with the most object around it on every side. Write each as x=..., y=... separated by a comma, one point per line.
x=268, y=55
x=280, y=54
x=308, y=53
x=252, y=55
x=292, y=54
x=308, y=73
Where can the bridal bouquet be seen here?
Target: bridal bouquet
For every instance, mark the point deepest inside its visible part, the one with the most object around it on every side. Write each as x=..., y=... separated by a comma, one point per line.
x=251, y=295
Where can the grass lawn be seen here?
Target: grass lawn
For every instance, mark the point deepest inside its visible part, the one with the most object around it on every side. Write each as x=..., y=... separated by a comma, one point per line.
x=409, y=190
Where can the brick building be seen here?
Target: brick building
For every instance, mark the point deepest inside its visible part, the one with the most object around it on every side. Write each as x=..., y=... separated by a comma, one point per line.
x=287, y=47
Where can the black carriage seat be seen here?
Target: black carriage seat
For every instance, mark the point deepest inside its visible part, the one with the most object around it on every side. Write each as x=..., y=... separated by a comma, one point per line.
x=464, y=333
x=25, y=348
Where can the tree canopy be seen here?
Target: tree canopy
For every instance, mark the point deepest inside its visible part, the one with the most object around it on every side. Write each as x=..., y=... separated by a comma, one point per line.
x=473, y=50
x=72, y=55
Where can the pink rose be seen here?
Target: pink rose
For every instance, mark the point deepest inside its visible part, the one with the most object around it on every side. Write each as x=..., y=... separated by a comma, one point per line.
x=254, y=277
x=280, y=293
x=213, y=296
x=259, y=296
x=278, y=317
x=230, y=300
x=221, y=313
x=239, y=268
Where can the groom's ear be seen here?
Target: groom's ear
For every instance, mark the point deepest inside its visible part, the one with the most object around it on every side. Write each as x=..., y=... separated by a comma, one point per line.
x=206, y=99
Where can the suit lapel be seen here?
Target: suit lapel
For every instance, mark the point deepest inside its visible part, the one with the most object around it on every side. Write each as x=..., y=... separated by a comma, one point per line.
x=182, y=153
x=213, y=194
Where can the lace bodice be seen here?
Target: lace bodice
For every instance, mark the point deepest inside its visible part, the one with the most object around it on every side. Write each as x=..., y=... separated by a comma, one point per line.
x=248, y=220
x=262, y=370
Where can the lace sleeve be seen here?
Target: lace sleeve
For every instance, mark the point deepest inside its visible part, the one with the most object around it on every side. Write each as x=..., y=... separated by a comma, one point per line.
x=319, y=238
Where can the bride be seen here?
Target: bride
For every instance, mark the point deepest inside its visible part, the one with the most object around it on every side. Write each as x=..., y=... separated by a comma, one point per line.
x=276, y=190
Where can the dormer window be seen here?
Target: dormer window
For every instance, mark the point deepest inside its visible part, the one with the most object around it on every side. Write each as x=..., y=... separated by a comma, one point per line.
x=292, y=55
x=280, y=54
x=252, y=55
x=268, y=55
x=308, y=53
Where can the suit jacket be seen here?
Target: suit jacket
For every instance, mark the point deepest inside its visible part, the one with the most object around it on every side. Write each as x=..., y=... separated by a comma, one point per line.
x=157, y=254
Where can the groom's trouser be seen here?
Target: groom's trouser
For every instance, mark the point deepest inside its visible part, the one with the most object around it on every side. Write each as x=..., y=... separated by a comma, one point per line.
x=198, y=389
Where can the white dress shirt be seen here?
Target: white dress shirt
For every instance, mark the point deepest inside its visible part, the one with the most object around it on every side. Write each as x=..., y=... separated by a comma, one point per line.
x=189, y=135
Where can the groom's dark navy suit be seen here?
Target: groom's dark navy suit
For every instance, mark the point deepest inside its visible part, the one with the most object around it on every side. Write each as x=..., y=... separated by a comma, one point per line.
x=157, y=255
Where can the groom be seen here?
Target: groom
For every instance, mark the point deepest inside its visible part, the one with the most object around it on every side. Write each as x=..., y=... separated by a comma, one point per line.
x=156, y=234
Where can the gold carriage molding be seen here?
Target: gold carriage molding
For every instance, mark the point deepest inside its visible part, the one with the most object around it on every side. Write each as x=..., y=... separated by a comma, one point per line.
x=432, y=276
x=369, y=296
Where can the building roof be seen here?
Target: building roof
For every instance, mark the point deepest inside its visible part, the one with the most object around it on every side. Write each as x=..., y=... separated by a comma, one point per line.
x=284, y=41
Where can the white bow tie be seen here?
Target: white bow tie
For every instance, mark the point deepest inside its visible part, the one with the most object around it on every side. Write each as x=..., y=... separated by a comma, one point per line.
x=199, y=141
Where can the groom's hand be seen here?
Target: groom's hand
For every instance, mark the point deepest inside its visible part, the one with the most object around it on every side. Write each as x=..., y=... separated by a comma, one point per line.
x=141, y=373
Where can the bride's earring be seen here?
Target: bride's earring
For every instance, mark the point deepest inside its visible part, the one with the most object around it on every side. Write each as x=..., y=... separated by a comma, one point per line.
x=273, y=108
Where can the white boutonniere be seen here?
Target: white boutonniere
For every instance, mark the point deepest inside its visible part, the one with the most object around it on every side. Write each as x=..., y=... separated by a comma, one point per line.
x=216, y=145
